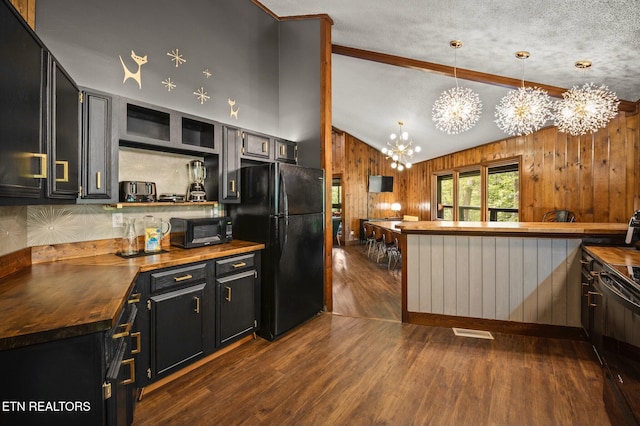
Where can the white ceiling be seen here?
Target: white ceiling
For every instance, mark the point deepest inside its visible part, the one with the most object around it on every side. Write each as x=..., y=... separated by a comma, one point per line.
x=369, y=98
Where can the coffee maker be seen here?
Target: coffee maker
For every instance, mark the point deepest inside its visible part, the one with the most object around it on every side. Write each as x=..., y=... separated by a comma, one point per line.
x=197, y=175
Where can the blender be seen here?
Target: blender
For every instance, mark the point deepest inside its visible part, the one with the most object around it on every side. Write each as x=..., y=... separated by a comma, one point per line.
x=197, y=175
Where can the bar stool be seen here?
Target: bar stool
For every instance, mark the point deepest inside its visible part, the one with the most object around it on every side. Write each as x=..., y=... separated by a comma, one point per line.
x=370, y=238
x=378, y=235
x=394, y=253
x=389, y=246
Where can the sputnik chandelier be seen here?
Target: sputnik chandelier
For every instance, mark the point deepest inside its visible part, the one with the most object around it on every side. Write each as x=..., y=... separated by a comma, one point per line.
x=587, y=109
x=524, y=110
x=458, y=109
x=400, y=149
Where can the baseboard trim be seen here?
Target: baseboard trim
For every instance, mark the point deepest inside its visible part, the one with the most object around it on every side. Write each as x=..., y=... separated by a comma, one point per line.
x=497, y=326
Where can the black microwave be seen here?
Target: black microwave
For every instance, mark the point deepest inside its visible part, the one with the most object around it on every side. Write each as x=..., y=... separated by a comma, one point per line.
x=200, y=232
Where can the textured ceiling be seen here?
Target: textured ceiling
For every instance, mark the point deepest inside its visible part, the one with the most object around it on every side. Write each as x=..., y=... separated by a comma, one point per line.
x=369, y=98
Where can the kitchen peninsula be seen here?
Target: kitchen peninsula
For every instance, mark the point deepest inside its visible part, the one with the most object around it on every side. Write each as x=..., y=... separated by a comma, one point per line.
x=502, y=276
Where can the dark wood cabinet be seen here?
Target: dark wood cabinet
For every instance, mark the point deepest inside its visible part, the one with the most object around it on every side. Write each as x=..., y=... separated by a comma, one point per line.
x=177, y=327
x=99, y=149
x=156, y=128
x=63, y=134
x=286, y=151
x=237, y=294
x=230, y=173
x=193, y=310
x=81, y=380
x=39, y=129
x=257, y=146
x=22, y=152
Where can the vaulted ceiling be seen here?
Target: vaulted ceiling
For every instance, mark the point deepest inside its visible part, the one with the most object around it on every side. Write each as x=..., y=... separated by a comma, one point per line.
x=370, y=96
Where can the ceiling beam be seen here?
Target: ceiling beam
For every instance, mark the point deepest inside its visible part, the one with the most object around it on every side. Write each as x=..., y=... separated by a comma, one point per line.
x=464, y=74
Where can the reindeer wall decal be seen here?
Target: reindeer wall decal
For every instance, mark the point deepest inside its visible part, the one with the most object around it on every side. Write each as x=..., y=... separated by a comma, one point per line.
x=140, y=60
x=232, y=112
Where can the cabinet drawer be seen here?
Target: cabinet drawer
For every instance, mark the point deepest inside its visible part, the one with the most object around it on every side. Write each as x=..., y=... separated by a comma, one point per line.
x=235, y=264
x=178, y=277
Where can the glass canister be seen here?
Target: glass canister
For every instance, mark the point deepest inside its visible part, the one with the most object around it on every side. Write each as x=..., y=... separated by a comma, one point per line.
x=154, y=232
x=129, y=245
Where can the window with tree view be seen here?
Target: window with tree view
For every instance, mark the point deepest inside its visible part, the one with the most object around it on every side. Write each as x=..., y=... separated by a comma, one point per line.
x=460, y=195
x=445, y=197
x=502, y=193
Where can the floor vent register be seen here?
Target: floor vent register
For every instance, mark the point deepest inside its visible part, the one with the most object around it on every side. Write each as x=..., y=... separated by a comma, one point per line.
x=476, y=334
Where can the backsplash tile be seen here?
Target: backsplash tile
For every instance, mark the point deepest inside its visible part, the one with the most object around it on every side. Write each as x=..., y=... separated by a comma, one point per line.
x=168, y=171
x=13, y=229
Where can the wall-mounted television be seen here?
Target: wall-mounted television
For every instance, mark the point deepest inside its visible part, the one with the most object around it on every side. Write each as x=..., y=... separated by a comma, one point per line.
x=380, y=183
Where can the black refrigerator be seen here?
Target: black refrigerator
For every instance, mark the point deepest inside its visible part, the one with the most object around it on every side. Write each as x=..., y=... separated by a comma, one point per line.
x=282, y=206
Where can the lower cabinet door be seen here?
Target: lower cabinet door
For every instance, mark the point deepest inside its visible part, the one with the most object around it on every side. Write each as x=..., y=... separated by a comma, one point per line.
x=236, y=306
x=177, y=327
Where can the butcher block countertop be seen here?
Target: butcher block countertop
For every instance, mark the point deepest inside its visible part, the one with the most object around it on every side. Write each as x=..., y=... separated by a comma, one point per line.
x=531, y=229
x=67, y=297
x=627, y=256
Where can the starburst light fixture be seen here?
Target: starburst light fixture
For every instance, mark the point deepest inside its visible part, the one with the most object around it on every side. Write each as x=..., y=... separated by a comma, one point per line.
x=587, y=109
x=400, y=149
x=458, y=109
x=524, y=110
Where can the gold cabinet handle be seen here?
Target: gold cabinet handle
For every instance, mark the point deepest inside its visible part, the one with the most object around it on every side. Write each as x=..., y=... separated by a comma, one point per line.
x=232, y=182
x=585, y=286
x=132, y=371
x=182, y=278
x=239, y=265
x=134, y=298
x=283, y=150
x=589, y=294
x=197, y=308
x=228, y=296
x=126, y=328
x=25, y=170
x=138, y=348
x=65, y=171
x=265, y=146
x=98, y=180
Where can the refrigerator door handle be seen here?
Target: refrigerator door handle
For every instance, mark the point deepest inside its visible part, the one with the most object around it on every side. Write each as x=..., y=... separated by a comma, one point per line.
x=283, y=194
x=284, y=232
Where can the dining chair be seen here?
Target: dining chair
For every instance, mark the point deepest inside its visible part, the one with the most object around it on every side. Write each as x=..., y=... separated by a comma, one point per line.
x=559, y=216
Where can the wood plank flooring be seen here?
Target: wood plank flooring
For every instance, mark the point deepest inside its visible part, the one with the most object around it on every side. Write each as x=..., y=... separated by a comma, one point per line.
x=345, y=370
x=363, y=288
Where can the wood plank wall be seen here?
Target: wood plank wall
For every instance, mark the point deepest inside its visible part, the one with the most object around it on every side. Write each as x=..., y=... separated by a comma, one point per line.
x=27, y=9
x=361, y=161
x=597, y=176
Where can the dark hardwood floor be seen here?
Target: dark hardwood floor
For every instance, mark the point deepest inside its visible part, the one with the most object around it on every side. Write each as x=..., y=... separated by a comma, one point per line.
x=363, y=288
x=351, y=369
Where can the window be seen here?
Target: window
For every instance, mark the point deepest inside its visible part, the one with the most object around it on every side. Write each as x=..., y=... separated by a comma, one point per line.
x=469, y=196
x=336, y=198
x=445, y=197
x=488, y=192
x=502, y=193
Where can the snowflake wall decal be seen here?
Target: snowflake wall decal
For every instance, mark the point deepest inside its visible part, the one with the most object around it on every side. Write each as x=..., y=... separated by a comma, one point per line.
x=201, y=95
x=168, y=84
x=176, y=57
x=206, y=73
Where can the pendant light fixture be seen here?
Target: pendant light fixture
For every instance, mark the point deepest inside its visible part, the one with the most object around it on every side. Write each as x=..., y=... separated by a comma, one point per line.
x=458, y=109
x=400, y=149
x=586, y=109
x=524, y=110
